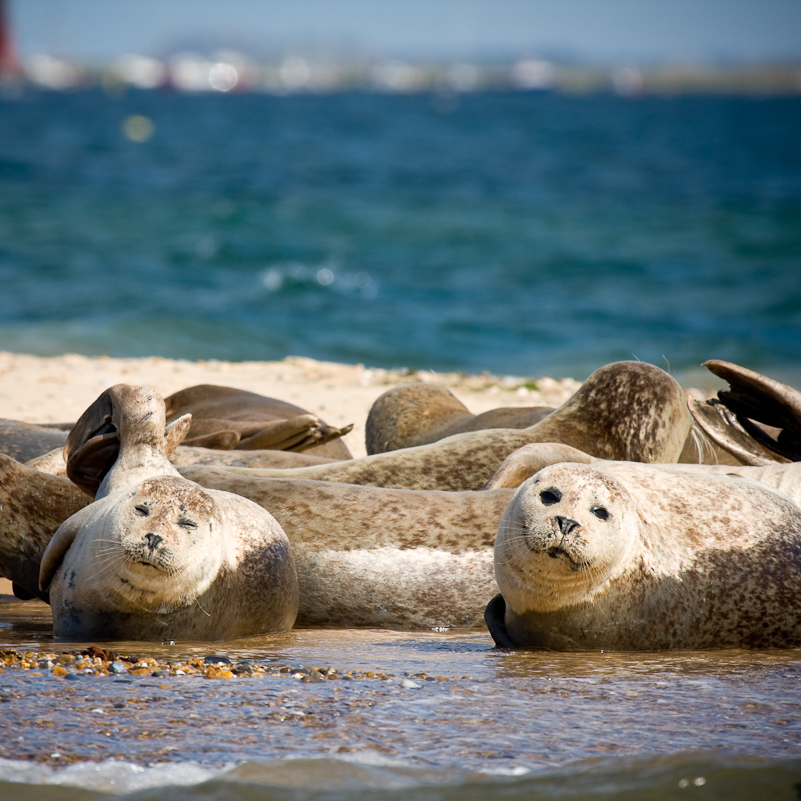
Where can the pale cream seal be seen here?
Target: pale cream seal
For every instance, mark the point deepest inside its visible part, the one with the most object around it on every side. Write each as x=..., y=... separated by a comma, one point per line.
x=638, y=557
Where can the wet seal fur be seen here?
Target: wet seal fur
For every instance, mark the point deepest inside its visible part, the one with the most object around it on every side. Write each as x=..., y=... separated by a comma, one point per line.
x=226, y=417
x=625, y=410
x=156, y=556
x=637, y=557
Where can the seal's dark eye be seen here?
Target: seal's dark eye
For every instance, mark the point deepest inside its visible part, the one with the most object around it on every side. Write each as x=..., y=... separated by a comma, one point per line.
x=600, y=512
x=142, y=510
x=185, y=522
x=550, y=496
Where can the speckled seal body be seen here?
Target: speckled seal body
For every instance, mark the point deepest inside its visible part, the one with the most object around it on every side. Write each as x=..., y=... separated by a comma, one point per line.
x=370, y=556
x=636, y=557
x=419, y=414
x=157, y=557
x=625, y=410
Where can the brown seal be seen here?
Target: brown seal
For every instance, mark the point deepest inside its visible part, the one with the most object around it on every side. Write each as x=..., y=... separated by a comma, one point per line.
x=226, y=417
x=156, y=556
x=419, y=414
x=639, y=557
x=625, y=410
x=25, y=441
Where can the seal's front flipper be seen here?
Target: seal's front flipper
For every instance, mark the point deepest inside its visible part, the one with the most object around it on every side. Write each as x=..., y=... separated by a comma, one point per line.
x=494, y=618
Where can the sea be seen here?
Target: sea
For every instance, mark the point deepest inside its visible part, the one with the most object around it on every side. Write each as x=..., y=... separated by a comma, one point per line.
x=522, y=234
x=517, y=233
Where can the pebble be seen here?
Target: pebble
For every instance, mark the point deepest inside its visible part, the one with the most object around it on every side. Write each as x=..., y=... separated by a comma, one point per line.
x=97, y=663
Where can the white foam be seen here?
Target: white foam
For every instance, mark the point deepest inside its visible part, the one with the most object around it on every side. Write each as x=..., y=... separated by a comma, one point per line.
x=109, y=776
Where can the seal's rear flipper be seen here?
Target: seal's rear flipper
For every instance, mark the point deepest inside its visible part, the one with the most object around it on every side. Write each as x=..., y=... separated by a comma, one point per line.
x=494, y=618
x=752, y=397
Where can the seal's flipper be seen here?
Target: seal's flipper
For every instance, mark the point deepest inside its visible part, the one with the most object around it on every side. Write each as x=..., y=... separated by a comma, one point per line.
x=58, y=547
x=494, y=618
x=88, y=464
x=723, y=427
x=754, y=397
x=175, y=433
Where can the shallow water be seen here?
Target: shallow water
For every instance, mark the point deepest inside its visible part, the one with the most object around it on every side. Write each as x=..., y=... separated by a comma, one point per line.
x=564, y=724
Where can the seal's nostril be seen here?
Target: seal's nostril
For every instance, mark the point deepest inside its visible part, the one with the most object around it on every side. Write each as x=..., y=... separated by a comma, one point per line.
x=566, y=525
x=153, y=540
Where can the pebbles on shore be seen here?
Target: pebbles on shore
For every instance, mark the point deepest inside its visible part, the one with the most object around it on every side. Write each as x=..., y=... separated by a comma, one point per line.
x=97, y=662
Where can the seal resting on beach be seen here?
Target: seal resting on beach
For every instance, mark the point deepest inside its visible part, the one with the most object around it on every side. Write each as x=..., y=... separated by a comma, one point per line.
x=365, y=556
x=226, y=418
x=156, y=556
x=638, y=557
x=419, y=414
x=625, y=410
x=26, y=441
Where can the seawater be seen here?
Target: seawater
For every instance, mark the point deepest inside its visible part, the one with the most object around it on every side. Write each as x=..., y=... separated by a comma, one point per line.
x=445, y=716
x=521, y=234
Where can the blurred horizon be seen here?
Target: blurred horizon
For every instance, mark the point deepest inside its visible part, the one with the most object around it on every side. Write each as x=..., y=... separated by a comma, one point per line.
x=573, y=31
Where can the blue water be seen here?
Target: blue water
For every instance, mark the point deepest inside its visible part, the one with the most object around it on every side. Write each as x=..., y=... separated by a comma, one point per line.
x=526, y=234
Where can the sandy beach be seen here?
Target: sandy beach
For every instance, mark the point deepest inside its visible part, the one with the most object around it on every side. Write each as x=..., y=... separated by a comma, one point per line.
x=58, y=389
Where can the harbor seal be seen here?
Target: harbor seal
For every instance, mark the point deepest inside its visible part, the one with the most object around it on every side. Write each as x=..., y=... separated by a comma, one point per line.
x=419, y=414
x=226, y=417
x=156, y=556
x=26, y=441
x=370, y=556
x=637, y=557
x=625, y=410
x=365, y=556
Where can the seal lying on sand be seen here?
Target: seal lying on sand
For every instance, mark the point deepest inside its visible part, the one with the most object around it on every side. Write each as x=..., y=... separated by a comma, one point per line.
x=625, y=410
x=419, y=414
x=158, y=557
x=225, y=417
x=26, y=441
x=637, y=557
x=364, y=555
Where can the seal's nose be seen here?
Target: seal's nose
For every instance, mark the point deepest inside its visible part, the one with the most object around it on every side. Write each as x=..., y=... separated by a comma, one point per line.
x=153, y=540
x=566, y=525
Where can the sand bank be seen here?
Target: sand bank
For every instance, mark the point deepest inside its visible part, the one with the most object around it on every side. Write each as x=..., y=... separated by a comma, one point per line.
x=57, y=389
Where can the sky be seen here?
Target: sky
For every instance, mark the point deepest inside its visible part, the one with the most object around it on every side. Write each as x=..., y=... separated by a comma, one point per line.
x=642, y=31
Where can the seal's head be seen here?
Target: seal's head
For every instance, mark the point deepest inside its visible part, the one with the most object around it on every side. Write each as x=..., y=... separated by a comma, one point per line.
x=566, y=534
x=162, y=544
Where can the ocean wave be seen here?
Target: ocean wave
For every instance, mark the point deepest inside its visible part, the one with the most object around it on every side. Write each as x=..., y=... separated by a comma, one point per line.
x=327, y=275
x=659, y=778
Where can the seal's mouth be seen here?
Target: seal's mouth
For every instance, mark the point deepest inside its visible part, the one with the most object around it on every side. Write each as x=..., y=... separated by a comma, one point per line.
x=558, y=553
